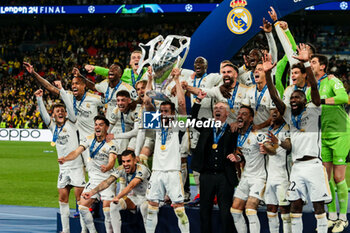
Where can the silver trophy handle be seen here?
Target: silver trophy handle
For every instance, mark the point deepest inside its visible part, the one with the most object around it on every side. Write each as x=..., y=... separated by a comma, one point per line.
x=152, y=45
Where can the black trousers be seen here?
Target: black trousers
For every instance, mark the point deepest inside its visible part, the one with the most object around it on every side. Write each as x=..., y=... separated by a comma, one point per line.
x=212, y=184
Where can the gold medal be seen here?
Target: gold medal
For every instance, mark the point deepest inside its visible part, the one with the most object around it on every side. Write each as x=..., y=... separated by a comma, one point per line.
x=53, y=144
x=232, y=110
x=214, y=146
x=302, y=130
x=162, y=147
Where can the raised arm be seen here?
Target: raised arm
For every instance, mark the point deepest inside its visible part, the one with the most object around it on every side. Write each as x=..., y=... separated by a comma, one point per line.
x=43, y=112
x=303, y=56
x=179, y=92
x=268, y=66
x=69, y=106
x=46, y=84
x=147, y=100
x=267, y=27
x=90, y=84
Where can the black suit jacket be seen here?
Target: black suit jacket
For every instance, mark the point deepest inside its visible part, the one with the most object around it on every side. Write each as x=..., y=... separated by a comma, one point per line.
x=205, y=143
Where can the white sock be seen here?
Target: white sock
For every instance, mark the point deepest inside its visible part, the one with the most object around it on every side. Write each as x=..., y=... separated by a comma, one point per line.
x=83, y=226
x=152, y=219
x=254, y=224
x=143, y=210
x=274, y=223
x=64, y=210
x=297, y=222
x=196, y=179
x=182, y=218
x=343, y=217
x=333, y=216
x=239, y=221
x=87, y=218
x=115, y=217
x=108, y=224
x=322, y=224
x=287, y=225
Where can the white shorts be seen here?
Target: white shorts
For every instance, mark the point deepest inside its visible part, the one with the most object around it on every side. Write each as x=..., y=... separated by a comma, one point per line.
x=105, y=195
x=165, y=183
x=309, y=178
x=137, y=199
x=250, y=187
x=276, y=193
x=74, y=177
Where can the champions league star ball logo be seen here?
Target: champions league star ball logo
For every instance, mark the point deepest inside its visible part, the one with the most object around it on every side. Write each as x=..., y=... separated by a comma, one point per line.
x=239, y=19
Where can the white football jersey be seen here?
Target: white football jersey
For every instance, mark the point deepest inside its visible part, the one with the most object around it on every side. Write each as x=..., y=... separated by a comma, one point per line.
x=100, y=158
x=111, y=101
x=307, y=140
x=87, y=110
x=262, y=113
x=246, y=78
x=288, y=93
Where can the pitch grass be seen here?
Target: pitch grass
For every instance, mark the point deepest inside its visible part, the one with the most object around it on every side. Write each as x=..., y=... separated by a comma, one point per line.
x=28, y=174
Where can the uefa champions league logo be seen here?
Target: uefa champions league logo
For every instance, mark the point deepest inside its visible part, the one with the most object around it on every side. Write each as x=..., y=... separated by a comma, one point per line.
x=91, y=9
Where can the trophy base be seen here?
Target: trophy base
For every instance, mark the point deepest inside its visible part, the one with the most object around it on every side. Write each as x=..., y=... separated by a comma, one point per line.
x=157, y=96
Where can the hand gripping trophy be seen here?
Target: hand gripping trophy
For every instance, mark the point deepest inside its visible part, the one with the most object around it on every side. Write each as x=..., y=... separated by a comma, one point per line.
x=163, y=56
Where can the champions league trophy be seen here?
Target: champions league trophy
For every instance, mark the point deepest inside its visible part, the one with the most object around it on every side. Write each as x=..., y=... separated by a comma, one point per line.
x=163, y=56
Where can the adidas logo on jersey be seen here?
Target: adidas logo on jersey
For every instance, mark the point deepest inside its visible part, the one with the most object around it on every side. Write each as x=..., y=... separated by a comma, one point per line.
x=325, y=195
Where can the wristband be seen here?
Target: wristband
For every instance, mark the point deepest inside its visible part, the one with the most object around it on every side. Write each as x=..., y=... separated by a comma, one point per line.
x=323, y=101
x=307, y=64
x=239, y=158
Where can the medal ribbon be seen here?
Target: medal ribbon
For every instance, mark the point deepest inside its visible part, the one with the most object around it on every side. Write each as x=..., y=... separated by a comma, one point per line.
x=231, y=101
x=75, y=103
x=217, y=137
x=304, y=88
x=296, y=123
x=132, y=177
x=278, y=130
x=252, y=77
x=199, y=83
x=114, y=90
x=258, y=100
x=133, y=77
x=319, y=81
x=56, y=132
x=122, y=121
x=240, y=140
x=94, y=152
x=164, y=135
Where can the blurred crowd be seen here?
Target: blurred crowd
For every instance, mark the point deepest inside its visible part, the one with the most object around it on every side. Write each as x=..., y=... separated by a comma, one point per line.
x=54, y=51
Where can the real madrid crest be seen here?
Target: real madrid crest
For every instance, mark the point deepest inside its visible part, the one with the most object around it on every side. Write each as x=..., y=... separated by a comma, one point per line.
x=88, y=105
x=239, y=19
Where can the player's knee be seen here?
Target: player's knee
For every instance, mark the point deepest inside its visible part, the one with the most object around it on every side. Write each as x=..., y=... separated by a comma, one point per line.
x=319, y=207
x=121, y=205
x=338, y=177
x=181, y=215
x=271, y=208
x=296, y=206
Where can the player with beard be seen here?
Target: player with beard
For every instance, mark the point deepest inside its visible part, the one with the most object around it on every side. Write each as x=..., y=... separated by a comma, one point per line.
x=166, y=176
x=308, y=177
x=236, y=90
x=122, y=121
x=299, y=82
x=250, y=189
x=259, y=99
x=102, y=156
x=278, y=173
x=335, y=125
x=130, y=75
x=109, y=87
x=85, y=104
x=133, y=196
x=65, y=138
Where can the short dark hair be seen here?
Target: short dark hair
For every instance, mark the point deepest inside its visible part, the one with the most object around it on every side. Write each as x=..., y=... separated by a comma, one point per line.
x=128, y=152
x=172, y=105
x=102, y=118
x=322, y=59
x=301, y=92
x=82, y=79
x=123, y=93
x=58, y=105
x=231, y=65
x=312, y=47
x=120, y=66
x=251, y=110
x=300, y=66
